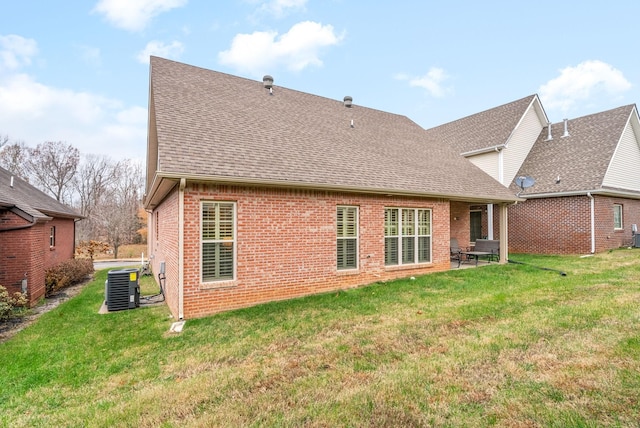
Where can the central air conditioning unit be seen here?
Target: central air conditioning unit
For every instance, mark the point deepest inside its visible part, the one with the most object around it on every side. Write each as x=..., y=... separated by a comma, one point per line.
x=122, y=290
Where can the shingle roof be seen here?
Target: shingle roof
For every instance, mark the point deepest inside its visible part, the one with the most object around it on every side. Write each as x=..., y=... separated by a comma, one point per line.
x=217, y=126
x=30, y=200
x=488, y=128
x=580, y=160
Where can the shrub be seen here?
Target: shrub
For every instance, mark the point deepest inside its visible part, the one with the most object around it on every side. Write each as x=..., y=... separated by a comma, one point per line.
x=91, y=248
x=9, y=302
x=67, y=273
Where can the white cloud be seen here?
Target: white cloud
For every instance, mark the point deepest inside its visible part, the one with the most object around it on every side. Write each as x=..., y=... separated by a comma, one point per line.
x=298, y=48
x=582, y=83
x=16, y=51
x=134, y=15
x=172, y=50
x=279, y=8
x=433, y=81
x=34, y=113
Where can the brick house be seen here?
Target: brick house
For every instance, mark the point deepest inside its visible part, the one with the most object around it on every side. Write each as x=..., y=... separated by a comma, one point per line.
x=36, y=232
x=586, y=196
x=258, y=192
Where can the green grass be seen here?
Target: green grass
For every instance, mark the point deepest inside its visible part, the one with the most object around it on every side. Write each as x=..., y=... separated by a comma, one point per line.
x=502, y=345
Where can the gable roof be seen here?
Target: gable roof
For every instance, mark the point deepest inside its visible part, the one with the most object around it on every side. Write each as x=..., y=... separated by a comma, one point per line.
x=580, y=160
x=31, y=202
x=486, y=130
x=206, y=125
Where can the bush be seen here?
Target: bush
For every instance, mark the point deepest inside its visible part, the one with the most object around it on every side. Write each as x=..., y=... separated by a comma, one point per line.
x=67, y=273
x=9, y=302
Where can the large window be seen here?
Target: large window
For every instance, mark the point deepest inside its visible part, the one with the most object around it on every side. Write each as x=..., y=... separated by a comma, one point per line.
x=218, y=241
x=407, y=236
x=617, y=216
x=347, y=237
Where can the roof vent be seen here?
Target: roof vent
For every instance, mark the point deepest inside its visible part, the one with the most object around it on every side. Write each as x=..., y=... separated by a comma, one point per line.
x=267, y=81
x=566, y=128
x=549, y=137
x=347, y=101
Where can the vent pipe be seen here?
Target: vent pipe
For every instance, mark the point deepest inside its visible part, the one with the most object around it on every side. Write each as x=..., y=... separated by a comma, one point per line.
x=347, y=101
x=267, y=81
x=566, y=128
x=11, y=183
x=549, y=137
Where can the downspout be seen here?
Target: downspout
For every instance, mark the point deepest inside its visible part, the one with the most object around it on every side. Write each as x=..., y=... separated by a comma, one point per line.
x=183, y=183
x=593, y=223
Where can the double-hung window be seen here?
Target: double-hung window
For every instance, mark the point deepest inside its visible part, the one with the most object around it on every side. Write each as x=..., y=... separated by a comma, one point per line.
x=52, y=237
x=407, y=236
x=347, y=237
x=218, y=241
x=617, y=216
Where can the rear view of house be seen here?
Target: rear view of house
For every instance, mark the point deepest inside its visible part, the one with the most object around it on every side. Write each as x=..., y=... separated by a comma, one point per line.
x=36, y=232
x=260, y=193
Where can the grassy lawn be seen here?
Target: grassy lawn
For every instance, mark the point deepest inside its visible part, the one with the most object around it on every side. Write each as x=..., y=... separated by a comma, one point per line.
x=504, y=346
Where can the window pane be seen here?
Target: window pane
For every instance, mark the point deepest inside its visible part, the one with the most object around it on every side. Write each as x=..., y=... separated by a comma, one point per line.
x=390, y=251
x=408, y=249
x=347, y=253
x=424, y=222
x=408, y=222
x=390, y=222
x=347, y=221
x=217, y=261
x=217, y=221
x=617, y=216
x=424, y=249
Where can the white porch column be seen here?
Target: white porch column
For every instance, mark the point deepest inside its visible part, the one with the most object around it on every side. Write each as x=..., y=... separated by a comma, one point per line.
x=504, y=233
x=489, y=221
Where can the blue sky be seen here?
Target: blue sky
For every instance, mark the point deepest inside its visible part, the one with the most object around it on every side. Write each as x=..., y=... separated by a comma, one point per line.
x=77, y=71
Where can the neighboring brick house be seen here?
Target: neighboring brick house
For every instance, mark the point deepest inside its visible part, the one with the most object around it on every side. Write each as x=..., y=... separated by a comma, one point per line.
x=36, y=232
x=586, y=196
x=260, y=193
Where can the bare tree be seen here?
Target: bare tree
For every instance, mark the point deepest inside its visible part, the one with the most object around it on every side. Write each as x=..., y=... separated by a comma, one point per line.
x=118, y=212
x=13, y=157
x=94, y=178
x=53, y=164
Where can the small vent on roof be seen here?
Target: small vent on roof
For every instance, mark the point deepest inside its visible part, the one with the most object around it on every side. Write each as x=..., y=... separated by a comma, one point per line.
x=549, y=137
x=566, y=129
x=347, y=101
x=267, y=81
x=11, y=183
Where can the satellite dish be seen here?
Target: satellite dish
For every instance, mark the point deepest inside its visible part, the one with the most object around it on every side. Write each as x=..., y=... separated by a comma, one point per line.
x=524, y=182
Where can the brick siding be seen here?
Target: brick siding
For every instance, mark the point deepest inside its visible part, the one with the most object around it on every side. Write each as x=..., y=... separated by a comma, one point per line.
x=286, y=245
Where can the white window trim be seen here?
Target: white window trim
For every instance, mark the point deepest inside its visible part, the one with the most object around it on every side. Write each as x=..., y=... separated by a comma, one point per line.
x=417, y=236
x=357, y=238
x=615, y=206
x=221, y=282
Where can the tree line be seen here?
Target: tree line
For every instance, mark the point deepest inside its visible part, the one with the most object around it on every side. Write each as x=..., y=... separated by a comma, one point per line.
x=107, y=193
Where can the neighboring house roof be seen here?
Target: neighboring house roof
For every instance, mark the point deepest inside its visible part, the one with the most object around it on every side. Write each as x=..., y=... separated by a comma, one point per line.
x=31, y=202
x=589, y=159
x=206, y=125
x=487, y=130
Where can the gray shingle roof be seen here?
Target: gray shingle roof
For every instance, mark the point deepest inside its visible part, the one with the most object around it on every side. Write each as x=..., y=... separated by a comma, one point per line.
x=217, y=126
x=30, y=200
x=580, y=160
x=488, y=128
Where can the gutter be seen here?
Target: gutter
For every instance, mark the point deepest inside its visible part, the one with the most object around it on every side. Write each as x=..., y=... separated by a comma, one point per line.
x=496, y=148
x=593, y=222
x=183, y=183
x=160, y=176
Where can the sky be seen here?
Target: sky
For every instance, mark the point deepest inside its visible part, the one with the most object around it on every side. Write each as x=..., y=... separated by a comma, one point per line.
x=78, y=71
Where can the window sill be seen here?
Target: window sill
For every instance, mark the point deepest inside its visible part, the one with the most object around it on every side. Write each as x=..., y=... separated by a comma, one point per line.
x=408, y=266
x=52, y=248
x=344, y=272
x=218, y=285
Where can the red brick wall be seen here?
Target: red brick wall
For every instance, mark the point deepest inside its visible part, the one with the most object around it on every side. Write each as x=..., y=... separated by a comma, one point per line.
x=286, y=245
x=563, y=225
x=460, y=223
x=25, y=253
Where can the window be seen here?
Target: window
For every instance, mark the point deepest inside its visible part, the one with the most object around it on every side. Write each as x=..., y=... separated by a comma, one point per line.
x=218, y=241
x=52, y=237
x=617, y=216
x=407, y=236
x=347, y=236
